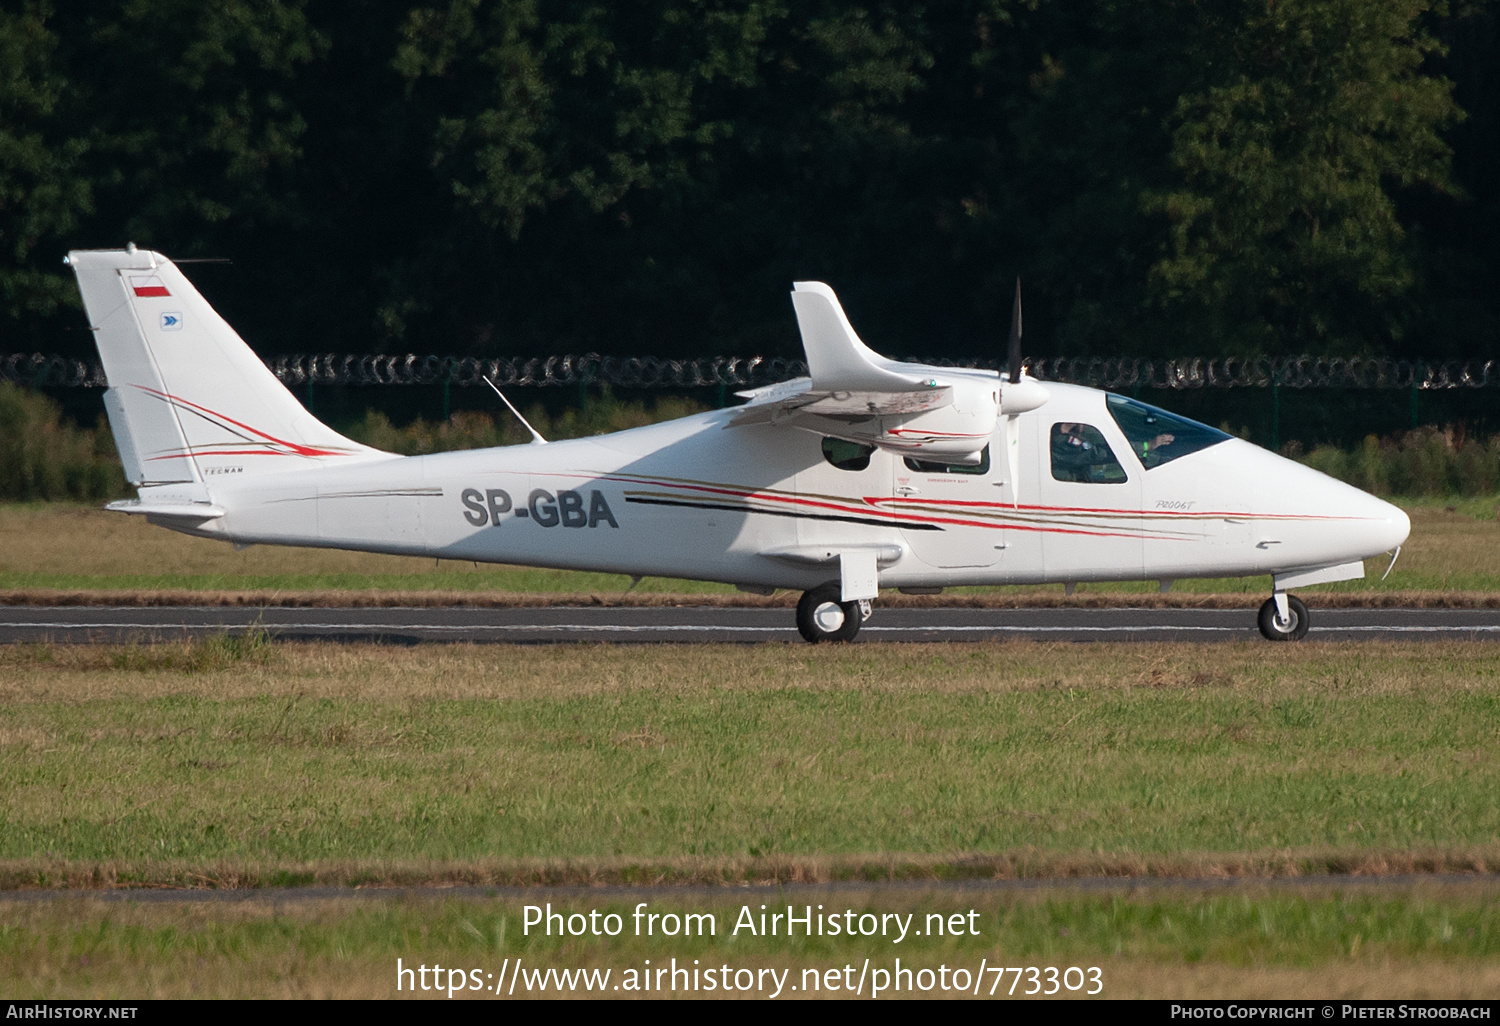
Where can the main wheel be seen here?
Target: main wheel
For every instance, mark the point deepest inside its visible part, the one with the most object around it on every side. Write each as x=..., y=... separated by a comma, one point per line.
x=822, y=617
x=1291, y=629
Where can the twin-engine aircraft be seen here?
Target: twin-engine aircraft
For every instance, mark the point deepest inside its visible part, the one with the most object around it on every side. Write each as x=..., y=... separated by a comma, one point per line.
x=868, y=474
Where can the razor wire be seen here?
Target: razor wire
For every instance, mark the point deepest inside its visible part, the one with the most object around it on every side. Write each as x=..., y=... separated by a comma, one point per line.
x=42, y=370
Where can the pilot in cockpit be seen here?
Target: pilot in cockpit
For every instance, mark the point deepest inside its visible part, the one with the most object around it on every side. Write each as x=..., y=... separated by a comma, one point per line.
x=1073, y=454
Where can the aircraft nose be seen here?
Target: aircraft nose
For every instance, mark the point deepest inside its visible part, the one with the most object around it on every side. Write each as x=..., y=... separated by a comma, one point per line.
x=1398, y=526
x=1380, y=526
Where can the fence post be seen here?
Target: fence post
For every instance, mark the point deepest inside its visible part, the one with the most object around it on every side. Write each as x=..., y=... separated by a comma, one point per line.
x=1275, y=417
x=448, y=396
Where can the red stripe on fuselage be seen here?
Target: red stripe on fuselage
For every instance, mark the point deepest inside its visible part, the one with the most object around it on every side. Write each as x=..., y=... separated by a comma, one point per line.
x=899, y=518
x=1167, y=513
x=877, y=501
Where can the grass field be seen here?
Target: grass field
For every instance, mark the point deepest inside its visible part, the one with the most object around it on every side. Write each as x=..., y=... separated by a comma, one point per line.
x=233, y=762
x=240, y=763
x=1455, y=547
x=236, y=763
x=1423, y=940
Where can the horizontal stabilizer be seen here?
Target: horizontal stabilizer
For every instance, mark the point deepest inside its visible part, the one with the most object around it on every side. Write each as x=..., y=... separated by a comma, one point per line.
x=193, y=512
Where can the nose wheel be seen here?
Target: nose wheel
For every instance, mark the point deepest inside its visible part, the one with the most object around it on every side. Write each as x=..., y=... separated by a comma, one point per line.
x=822, y=617
x=1288, y=625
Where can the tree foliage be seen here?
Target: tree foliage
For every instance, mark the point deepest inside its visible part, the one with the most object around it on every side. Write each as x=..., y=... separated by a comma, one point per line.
x=1284, y=232
x=43, y=193
x=531, y=176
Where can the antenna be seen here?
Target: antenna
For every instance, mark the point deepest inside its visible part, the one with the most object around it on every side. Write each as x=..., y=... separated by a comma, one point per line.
x=1394, y=556
x=536, y=439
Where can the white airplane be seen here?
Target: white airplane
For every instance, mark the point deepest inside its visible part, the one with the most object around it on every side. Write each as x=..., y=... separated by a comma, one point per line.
x=870, y=473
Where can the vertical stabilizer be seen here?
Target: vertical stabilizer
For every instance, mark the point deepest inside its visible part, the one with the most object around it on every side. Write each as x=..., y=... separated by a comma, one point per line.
x=188, y=400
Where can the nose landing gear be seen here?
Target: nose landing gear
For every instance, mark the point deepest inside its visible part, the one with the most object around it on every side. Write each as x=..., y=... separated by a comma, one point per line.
x=1283, y=618
x=822, y=617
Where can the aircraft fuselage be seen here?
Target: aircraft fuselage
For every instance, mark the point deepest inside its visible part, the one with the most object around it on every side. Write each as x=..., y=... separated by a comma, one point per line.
x=763, y=506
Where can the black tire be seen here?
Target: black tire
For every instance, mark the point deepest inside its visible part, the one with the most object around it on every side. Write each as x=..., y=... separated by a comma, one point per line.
x=1274, y=631
x=815, y=619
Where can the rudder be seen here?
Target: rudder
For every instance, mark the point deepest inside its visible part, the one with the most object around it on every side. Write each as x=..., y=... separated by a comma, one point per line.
x=188, y=400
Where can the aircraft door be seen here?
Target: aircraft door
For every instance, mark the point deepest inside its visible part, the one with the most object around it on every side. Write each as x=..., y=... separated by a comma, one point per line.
x=957, y=512
x=1089, y=505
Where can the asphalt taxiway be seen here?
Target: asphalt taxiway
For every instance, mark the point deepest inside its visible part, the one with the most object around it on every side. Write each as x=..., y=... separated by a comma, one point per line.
x=592, y=624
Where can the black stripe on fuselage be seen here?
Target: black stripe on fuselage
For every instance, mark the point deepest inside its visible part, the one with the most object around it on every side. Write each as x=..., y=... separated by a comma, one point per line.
x=786, y=513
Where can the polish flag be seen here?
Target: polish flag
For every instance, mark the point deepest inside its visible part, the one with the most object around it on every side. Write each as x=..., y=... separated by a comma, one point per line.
x=151, y=286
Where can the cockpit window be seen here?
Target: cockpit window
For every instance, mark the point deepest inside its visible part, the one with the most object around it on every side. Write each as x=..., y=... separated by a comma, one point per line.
x=924, y=467
x=847, y=455
x=1080, y=453
x=1156, y=436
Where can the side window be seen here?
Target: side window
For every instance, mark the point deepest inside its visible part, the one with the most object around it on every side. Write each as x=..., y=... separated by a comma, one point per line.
x=1080, y=453
x=923, y=467
x=847, y=455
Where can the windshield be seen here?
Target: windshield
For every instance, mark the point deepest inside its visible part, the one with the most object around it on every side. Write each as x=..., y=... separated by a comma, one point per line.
x=1158, y=437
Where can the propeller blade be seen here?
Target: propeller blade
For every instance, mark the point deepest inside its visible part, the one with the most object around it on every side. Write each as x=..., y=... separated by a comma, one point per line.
x=1015, y=335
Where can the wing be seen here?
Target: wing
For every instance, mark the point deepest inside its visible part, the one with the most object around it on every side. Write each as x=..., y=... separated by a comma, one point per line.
x=766, y=406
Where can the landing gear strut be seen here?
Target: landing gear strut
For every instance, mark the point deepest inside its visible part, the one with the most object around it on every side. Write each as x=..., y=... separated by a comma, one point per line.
x=822, y=617
x=1289, y=624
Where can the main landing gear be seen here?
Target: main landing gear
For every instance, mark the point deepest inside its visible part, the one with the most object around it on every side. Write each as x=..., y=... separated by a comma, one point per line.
x=1283, y=618
x=822, y=617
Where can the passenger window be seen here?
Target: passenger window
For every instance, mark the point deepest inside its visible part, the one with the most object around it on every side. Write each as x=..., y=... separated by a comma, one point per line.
x=1080, y=453
x=847, y=455
x=923, y=467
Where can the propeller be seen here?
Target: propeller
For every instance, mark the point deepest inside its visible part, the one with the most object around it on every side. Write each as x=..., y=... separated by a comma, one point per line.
x=1015, y=335
x=1021, y=393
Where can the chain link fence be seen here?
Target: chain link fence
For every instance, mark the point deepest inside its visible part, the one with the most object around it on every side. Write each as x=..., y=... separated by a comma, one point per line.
x=42, y=370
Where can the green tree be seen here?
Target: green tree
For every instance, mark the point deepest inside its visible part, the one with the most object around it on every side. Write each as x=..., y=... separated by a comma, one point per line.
x=652, y=169
x=188, y=111
x=589, y=101
x=1284, y=231
x=535, y=176
x=43, y=192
